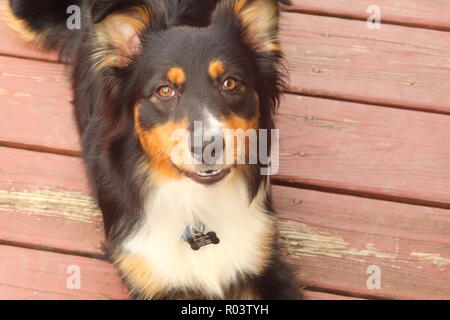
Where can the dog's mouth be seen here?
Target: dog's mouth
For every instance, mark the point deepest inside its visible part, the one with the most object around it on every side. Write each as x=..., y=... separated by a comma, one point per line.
x=208, y=176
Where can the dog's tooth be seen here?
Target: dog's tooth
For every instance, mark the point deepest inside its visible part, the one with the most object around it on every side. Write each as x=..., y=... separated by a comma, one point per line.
x=206, y=174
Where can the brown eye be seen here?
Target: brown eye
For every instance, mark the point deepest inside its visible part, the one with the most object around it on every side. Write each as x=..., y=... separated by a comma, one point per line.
x=165, y=92
x=230, y=84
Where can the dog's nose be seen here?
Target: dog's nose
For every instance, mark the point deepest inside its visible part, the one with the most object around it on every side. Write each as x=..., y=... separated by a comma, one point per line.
x=208, y=151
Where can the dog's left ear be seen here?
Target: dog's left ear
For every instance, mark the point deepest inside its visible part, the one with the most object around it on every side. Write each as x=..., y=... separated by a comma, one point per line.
x=117, y=32
x=258, y=19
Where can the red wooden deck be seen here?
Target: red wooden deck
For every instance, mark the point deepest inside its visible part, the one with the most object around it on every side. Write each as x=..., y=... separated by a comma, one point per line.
x=365, y=167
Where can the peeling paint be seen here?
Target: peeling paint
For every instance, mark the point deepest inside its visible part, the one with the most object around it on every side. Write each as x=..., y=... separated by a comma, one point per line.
x=360, y=48
x=411, y=82
x=38, y=79
x=300, y=154
x=433, y=258
x=22, y=94
x=340, y=125
x=298, y=239
x=315, y=58
x=70, y=205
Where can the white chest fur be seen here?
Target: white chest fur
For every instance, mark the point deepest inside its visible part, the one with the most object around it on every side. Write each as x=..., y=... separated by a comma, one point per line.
x=244, y=231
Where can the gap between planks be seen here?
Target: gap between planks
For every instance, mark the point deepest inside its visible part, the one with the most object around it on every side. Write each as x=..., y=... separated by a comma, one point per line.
x=409, y=13
x=332, y=97
x=360, y=194
x=316, y=12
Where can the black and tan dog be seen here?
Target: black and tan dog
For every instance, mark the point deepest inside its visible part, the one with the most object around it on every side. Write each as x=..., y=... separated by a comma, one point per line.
x=142, y=69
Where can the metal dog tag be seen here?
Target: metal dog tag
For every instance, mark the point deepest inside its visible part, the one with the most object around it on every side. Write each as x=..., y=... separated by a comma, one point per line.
x=194, y=235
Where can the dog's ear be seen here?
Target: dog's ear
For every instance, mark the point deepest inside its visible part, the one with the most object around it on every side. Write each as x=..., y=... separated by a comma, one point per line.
x=258, y=19
x=118, y=26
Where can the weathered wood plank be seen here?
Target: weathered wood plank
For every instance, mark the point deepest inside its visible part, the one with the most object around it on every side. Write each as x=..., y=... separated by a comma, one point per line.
x=360, y=148
x=396, y=153
x=44, y=202
x=36, y=274
x=331, y=238
x=27, y=274
x=35, y=108
x=422, y=13
x=339, y=58
x=396, y=66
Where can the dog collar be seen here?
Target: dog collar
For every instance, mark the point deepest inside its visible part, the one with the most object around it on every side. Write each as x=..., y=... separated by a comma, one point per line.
x=195, y=236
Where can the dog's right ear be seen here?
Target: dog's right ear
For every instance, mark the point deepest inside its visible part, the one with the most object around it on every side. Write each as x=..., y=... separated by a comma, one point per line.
x=118, y=27
x=258, y=20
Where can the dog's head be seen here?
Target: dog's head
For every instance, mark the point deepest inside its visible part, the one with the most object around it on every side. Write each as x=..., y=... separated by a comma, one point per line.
x=190, y=82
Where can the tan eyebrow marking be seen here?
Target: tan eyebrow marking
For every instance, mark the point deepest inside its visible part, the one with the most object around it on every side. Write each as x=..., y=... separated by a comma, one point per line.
x=216, y=69
x=176, y=75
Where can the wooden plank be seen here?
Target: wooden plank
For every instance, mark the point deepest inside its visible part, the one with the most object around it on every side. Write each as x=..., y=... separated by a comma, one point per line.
x=44, y=201
x=331, y=238
x=35, y=108
x=397, y=154
x=395, y=66
x=42, y=275
x=343, y=59
x=427, y=14
x=360, y=148
x=27, y=274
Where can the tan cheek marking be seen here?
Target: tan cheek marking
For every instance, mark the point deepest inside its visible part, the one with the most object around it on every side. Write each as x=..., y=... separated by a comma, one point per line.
x=216, y=69
x=137, y=272
x=158, y=145
x=155, y=100
x=238, y=5
x=236, y=122
x=176, y=75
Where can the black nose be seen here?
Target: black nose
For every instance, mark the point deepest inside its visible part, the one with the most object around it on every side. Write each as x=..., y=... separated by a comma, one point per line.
x=208, y=151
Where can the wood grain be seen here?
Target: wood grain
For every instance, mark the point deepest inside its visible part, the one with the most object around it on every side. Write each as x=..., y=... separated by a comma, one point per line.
x=44, y=201
x=27, y=274
x=332, y=239
x=343, y=59
x=35, y=108
x=397, y=154
x=40, y=275
x=422, y=13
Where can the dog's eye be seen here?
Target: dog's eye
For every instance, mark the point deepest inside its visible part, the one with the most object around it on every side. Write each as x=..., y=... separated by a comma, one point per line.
x=230, y=84
x=165, y=92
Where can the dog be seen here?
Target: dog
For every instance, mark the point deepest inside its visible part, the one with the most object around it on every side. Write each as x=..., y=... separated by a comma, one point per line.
x=142, y=70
